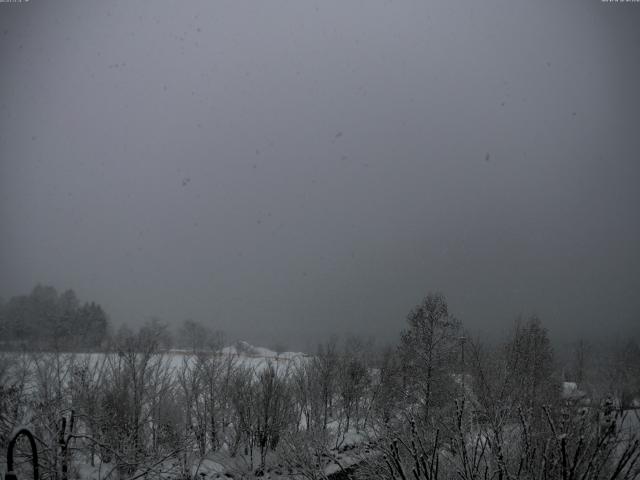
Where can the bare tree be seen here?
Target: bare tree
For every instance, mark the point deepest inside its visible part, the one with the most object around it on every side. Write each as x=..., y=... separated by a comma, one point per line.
x=274, y=409
x=137, y=377
x=430, y=348
x=353, y=380
x=325, y=365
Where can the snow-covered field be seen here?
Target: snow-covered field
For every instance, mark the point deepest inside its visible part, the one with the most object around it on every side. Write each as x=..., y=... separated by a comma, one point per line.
x=242, y=353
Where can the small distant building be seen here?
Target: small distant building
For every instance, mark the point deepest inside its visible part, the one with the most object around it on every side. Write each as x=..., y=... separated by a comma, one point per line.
x=571, y=392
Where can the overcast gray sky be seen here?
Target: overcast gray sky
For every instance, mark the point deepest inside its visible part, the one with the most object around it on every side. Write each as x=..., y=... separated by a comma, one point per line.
x=286, y=169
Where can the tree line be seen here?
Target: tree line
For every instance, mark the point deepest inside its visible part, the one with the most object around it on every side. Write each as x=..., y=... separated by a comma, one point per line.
x=46, y=319
x=439, y=405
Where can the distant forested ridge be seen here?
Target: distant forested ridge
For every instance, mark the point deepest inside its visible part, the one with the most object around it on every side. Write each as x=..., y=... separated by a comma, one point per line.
x=47, y=319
